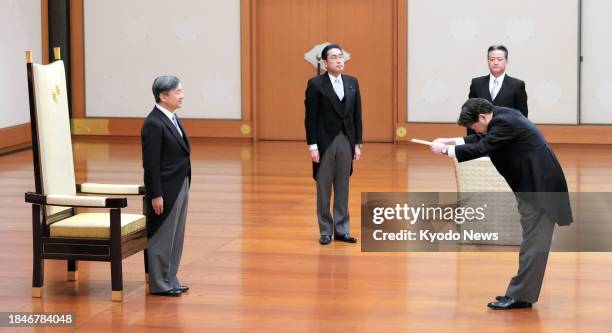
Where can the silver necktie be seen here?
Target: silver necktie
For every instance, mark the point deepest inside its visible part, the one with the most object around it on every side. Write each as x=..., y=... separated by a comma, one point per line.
x=338, y=89
x=495, y=89
x=176, y=124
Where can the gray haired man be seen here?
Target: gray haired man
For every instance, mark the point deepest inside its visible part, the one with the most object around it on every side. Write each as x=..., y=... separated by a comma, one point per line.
x=167, y=177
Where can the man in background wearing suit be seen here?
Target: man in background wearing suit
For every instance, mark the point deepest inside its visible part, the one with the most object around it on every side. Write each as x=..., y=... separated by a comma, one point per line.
x=333, y=133
x=498, y=87
x=167, y=177
x=522, y=156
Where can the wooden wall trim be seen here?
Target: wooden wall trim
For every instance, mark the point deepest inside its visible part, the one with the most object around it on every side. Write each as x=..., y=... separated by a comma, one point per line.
x=44, y=27
x=402, y=61
x=249, y=17
x=245, y=58
x=574, y=134
x=77, y=52
x=15, y=138
x=196, y=128
x=588, y=134
x=396, y=74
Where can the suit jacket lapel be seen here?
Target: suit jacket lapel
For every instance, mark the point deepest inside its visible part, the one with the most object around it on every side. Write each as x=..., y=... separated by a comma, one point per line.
x=485, y=89
x=504, y=84
x=184, y=138
x=173, y=129
x=331, y=94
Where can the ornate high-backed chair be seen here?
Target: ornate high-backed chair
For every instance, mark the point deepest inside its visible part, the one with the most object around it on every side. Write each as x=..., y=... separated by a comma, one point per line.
x=480, y=176
x=59, y=231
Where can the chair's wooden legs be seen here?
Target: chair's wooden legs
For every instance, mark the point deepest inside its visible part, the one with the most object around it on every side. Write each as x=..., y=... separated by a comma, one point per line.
x=116, y=267
x=117, y=296
x=146, y=263
x=38, y=263
x=38, y=278
x=73, y=270
x=37, y=292
x=117, y=278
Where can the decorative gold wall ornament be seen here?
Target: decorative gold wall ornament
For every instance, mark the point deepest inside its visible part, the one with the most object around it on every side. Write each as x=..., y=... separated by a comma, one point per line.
x=245, y=129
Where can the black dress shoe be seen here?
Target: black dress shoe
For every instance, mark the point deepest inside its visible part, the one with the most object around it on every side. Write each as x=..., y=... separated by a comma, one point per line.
x=325, y=239
x=170, y=293
x=182, y=288
x=501, y=298
x=508, y=303
x=345, y=238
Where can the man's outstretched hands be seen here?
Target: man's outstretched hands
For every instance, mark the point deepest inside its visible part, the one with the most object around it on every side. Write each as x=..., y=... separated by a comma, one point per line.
x=439, y=148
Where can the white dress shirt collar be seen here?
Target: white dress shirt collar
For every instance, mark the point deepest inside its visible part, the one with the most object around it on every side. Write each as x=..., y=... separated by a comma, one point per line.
x=168, y=114
x=499, y=79
x=333, y=78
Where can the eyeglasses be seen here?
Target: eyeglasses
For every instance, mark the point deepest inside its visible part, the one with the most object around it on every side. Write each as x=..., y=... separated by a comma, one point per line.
x=335, y=57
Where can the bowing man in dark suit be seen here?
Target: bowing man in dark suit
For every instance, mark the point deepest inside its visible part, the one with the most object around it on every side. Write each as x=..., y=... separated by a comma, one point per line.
x=167, y=177
x=498, y=87
x=522, y=156
x=333, y=133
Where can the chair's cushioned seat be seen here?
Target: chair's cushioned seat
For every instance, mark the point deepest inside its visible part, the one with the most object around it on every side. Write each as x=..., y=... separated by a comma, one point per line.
x=95, y=225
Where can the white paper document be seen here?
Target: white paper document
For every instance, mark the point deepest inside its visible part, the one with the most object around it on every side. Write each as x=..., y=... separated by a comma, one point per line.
x=421, y=142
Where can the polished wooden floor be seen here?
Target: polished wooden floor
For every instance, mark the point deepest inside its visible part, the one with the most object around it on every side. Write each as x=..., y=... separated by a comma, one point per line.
x=253, y=262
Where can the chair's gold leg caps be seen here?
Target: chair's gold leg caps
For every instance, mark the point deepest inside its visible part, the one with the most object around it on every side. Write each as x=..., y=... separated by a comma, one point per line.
x=117, y=296
x=73, y=275
x=36, y=292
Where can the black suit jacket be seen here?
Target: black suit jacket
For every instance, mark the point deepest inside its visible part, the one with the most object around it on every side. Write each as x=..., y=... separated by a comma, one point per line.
x=326, y=116
x=166, y=164
x=523, y=157
x=511, y=95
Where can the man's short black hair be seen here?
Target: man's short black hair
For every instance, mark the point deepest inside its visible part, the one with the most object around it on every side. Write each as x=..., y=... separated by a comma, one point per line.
x=471, y=109
x=163, y=84
x=329, y=47
x=498, y=48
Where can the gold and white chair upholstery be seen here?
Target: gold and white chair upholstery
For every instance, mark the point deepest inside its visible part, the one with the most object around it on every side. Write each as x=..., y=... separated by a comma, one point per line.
x=480, y=176
x=59, y=232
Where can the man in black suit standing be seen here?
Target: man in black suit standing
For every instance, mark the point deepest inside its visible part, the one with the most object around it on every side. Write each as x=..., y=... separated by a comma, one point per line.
x=498, y=87
x=333, y=133
x=522, y=156
x=167, y=177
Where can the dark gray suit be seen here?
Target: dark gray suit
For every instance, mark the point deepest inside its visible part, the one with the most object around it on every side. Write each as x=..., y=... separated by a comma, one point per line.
x=522, y=156
x=334, y=125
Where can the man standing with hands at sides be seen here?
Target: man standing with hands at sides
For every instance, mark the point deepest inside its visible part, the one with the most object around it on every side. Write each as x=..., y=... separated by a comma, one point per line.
x=498, y=87
x=522, y=156
x=167, y=177
x=333, y=133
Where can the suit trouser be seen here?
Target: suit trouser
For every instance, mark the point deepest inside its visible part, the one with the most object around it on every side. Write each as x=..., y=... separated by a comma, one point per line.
x=533, y=255
x=334, y=171
x=166, y=246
